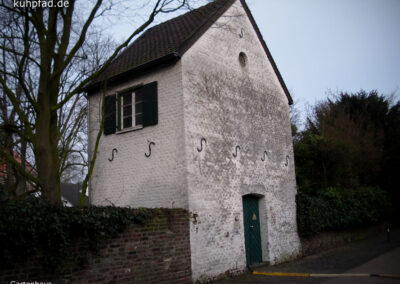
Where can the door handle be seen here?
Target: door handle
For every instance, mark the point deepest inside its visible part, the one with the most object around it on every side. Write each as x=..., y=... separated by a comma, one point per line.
x=251, y=226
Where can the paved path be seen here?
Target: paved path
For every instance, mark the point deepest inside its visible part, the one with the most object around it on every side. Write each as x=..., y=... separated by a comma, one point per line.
x=373, y=256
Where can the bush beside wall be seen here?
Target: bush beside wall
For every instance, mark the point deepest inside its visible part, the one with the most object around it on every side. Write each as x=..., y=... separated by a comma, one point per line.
x=338, y=209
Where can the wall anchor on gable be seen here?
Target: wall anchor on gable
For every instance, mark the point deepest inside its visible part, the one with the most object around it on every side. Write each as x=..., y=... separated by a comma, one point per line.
x=112, y=154
x=236, y=151
x=241, y=32
x=149, y=154
x=264, y=156
x=287, y=160
x=201, y=144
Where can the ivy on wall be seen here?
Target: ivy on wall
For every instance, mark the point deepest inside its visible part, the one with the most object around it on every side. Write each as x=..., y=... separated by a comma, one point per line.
x=34, y=228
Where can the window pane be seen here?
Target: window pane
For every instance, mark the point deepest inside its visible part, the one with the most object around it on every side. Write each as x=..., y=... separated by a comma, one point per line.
x=127, y=122
x=127, y=110
x=127, y=98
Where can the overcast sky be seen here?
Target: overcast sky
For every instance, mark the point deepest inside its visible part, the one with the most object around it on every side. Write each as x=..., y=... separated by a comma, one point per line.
x=336, y=45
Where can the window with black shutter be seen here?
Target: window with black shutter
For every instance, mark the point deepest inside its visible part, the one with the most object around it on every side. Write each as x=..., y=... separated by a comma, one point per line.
x=150, y=104
x=133, y=109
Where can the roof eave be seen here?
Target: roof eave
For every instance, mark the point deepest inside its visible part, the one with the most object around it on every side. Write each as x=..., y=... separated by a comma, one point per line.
x=278, y=74
x=169, y=58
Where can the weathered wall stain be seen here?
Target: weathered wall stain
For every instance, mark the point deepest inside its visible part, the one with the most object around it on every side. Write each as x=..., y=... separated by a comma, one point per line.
x=231, y=105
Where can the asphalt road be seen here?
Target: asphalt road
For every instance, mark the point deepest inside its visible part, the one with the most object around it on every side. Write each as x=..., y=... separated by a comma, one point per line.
x=372, y=256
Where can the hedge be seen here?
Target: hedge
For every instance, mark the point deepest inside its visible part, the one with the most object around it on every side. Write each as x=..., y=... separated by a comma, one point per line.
x=32, y=227
x=338, y=209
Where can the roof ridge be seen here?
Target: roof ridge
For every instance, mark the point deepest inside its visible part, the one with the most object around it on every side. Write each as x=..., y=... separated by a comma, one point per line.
x=215, y=12
x=205, y=21
x=185, y=14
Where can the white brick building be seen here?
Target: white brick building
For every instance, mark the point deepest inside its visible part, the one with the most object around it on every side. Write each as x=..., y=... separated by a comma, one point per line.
x=199, y=117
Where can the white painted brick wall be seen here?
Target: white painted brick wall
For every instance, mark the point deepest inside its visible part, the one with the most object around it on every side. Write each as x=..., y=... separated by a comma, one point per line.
x=230, y=105
x=208, y=94
x=131, y=179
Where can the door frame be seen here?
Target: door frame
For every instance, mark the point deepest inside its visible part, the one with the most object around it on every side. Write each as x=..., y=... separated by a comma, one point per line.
x=252, y=228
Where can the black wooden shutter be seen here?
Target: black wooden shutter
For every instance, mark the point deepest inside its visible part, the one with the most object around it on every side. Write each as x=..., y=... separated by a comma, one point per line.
x=110, y=115
x=150, y=104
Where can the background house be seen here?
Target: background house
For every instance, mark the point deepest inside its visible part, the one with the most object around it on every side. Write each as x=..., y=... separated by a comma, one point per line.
x=71, y=194
x=11, y=182
x=197, y=117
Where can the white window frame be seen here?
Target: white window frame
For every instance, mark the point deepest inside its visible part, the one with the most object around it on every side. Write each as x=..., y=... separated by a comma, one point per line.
x=133, y=113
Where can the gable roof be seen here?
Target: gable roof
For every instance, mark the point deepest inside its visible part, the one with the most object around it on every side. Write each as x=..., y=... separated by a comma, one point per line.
x=168, y=41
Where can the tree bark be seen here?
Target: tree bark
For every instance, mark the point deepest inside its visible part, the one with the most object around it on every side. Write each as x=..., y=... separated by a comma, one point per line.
x=46, y=140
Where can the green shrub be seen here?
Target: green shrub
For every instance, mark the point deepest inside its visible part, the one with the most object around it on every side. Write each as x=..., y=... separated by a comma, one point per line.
x=40, y=229
x=338, y=209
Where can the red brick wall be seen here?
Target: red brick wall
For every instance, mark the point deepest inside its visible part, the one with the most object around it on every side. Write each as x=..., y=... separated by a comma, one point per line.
x=158, y=252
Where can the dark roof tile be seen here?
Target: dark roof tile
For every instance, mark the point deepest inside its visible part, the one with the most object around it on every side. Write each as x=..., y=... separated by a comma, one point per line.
x=161, y=40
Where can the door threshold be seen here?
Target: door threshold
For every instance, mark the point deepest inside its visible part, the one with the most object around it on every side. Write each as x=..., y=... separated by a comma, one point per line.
x=256, y=265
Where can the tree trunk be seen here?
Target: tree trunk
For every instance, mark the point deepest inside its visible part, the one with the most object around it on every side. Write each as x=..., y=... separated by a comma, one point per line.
x=46, y=155
x=46, y=140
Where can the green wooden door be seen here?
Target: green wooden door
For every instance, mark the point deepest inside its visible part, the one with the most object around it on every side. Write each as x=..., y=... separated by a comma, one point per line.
x=252, y=236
